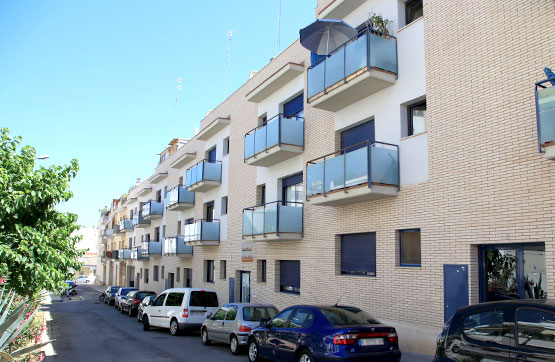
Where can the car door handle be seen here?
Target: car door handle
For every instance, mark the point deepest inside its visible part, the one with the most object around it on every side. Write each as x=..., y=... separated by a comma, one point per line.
x=456, y=349
x=521, y=358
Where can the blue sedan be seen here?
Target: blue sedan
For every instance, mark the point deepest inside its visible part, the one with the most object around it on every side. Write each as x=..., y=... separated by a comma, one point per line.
x=305, y=333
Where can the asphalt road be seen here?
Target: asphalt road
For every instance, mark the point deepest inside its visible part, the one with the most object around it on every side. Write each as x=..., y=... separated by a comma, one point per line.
x=86, y=330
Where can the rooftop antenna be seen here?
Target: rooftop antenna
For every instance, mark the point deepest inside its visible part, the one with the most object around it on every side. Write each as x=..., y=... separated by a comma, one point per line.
x=178, y=90
x=278, y=26
x=229, y=36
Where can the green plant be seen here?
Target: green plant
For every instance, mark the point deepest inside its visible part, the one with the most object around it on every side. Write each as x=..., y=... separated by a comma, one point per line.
x=378, y=22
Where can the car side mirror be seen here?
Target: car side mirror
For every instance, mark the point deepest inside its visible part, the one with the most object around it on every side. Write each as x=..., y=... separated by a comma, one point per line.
x=264, y=324
x=210, y=316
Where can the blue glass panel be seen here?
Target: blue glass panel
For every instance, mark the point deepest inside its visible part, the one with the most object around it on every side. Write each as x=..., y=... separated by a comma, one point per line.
x=292, y=131
x=260, y=140
x=258, y=221
x=290, y=219
x=546, y=114
x=385, y=164
x=272, y=132
x=315, y=80
x=315, y=179
x=156, y=208
x=249, y=145
x=335, y=67
x=383, y=53
x=188, y=178
x=247, y=222
x=356, y=167
x=212, y=171
x=155, y=247
x=210, y=230
x=355, y=55
x=270, y=221
x=186, y=196
x=334, y=173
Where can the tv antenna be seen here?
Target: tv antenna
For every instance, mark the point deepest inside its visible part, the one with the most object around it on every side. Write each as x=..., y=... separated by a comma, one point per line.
x=278, y=27
x=227, y=51
x=177, y=91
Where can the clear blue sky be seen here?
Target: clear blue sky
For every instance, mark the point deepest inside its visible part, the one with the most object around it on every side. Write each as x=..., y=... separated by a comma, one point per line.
x=96, y=80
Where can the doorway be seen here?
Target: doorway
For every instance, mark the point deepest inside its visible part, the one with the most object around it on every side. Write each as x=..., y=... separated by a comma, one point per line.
x=512, y=271
x=245, y=287
x=137, y=279
x=171, y=280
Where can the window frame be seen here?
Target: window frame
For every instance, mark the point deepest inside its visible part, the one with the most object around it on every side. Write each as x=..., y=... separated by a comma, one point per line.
x=210, y=272
x=223, y=210
x=409, y=3
x=290, y=289
x=401, y=248
x=223, y=269
x=366, y=274
x=410, y=124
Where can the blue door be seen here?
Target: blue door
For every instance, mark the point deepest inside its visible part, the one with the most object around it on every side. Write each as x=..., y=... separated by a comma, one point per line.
x=231, y=290
x=455, y=288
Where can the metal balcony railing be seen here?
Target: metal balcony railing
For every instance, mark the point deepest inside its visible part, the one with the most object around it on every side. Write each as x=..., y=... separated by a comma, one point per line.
x=545, y=112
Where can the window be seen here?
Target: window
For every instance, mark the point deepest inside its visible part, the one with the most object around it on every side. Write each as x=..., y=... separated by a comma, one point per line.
x=209, y=206
x=165, y=193
x=409, y=247
x=220, y=314
x=295, y=107
x=261, y=194
x=155, y=272
x=188, y=277
x=180, y=180
x=226, y=146
x=488, y=326
x=536, y=328
x=344, y=316
x=224, y=205
x=159, y=196
x=301, y=318
x=357, y=134
x=174, y=300
x=231, y=313
x=157, y=234
x=163, y=274
x=210, y=271
x=131, y=243
x=163, y=232
x=261, y=271
x=358, y=254
x=203, y=299
x=281, y=319
x=292, y=190
x=413, y=10
x=416, y=118
x=257, y=314
x=146, y=275
x=179, y=227
x=211, y=155
x=290, y=276
x=222, y=269
x=178, y=275
x=159, y=301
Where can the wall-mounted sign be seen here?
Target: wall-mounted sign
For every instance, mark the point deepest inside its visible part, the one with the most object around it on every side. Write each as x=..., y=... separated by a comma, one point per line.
x=246, y=252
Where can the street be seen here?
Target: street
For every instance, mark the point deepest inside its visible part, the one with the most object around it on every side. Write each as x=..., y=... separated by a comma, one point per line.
x=86, y=330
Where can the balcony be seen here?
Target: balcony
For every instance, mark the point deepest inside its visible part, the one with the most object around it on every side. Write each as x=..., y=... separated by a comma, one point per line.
x=139, y=221
x=179, y=198
x=126, y=225
x=202, y=232
x=151, y=248
x=175, y=246
x=275, y=141
x=545, y=109
x=112, y=254
x=116, y=229
x=124, y=254
x=136, y=254
x=363, y=172
x=108, y=233
x=274, y=221
x=204, y=176
x=152, y=210
x=355, y=70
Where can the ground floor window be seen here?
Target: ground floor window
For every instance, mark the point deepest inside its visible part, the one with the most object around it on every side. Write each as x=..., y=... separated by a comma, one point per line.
x=358, y=254
x=409, y=247
x=290, y=276
x=210, y=271
x=188, y=277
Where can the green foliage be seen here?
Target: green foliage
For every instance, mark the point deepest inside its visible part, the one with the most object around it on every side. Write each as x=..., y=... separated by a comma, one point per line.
x=36, y=243
x=378, y=22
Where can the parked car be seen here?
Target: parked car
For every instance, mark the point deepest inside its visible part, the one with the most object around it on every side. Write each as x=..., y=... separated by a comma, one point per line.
x=486, y=331
x=130, y=303
x=110, y=294
x=314, y=333
x=233, y=323
x=85, y=279
x=121, y=293
x=180, y=309
x=144, y=303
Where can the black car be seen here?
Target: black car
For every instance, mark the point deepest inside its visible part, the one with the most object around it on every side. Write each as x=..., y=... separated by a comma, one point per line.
x=110, y=294
x=130, y=303
x=486, y=332
x=145, y=303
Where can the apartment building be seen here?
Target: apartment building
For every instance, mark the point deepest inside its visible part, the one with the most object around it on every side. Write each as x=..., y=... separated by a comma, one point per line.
x=406, y=173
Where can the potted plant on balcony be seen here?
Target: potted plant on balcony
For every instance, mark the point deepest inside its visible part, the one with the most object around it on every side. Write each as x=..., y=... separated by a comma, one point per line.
x=379, y=23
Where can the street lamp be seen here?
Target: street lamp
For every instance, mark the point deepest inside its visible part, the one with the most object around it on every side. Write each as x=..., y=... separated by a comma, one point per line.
x=43, y=157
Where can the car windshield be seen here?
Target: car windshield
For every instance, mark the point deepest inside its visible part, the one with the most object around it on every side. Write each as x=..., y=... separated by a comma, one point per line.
x=343, y=316
x=203, y=299
x=258, y=314
x=114, y=289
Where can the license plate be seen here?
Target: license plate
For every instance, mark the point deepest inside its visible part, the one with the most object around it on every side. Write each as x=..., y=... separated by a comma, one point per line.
x=371, y=341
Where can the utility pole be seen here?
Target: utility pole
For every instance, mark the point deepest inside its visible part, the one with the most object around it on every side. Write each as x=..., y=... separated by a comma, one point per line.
x=227, y=51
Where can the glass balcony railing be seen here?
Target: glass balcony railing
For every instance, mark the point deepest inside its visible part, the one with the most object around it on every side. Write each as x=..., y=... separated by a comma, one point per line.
x=175, y=245
x=203, y=231
x=152, y=209
x=545, y=108
x=369, y=162
x=112, y=254
x=277, y=131
x=151, y=248
x=273, y=218
x=109, y=233
x=179, y=195
x=370, y=49
x=124, y=253
x=204, y=171
x=139, y=221
x=137, y=254
x=126, y=225
x=116, y=229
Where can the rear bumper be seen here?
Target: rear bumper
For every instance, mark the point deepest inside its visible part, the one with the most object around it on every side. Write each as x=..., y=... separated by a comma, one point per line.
x=392, y=356
x=189, y=326
x=243, y=339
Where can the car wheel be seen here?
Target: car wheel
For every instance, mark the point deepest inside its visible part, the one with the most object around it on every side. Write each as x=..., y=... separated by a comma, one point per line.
x=204, y=336
x=174, y=327
x=130, y=312
x=234, y=345
x=121, y=310
x=253, y=351
x=146, y=325
x=305, y=356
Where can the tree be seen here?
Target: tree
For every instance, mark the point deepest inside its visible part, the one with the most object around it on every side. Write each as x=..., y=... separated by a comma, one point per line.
x=37, y=248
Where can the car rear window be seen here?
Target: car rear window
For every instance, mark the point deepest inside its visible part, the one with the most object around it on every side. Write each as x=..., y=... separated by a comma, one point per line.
x=142, y=295
x=344, y=316
x=125, y=291
x=114, y=289
x=258, y=314
x=203, y=299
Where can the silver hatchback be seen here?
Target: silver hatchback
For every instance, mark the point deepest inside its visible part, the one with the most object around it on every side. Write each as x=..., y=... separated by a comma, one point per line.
x=233, y=323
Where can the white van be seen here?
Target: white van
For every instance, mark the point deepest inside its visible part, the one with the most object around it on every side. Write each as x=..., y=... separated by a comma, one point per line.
x=180, y=309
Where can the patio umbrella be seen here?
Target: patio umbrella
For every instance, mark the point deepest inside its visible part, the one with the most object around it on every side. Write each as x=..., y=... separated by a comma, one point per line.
x=324, y=35
x=550, y=75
